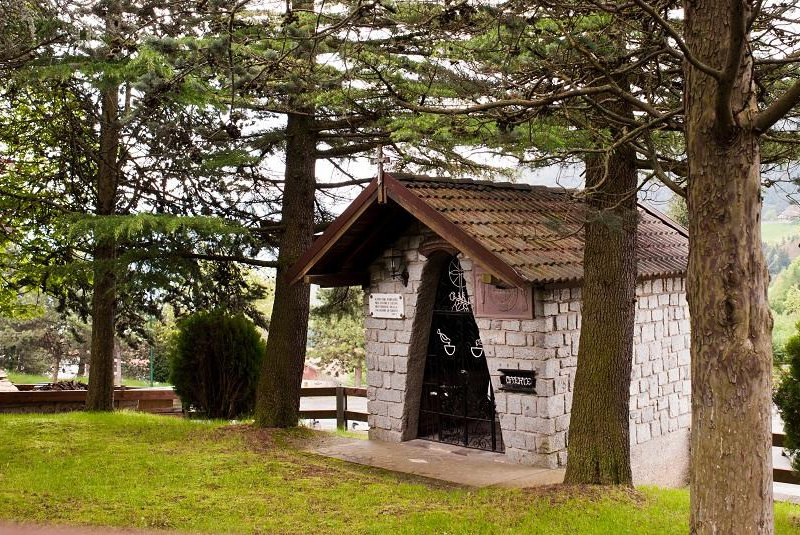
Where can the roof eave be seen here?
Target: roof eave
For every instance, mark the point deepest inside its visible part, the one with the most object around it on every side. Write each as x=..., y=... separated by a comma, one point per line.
x=658, y=214
x=328, y=238
x=421, y=211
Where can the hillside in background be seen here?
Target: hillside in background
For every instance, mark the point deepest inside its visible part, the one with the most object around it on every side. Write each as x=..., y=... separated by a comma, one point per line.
x=780, y=232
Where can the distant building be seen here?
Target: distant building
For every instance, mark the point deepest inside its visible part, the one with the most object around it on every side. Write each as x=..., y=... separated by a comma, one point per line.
x=790, y=214
x=313, y=376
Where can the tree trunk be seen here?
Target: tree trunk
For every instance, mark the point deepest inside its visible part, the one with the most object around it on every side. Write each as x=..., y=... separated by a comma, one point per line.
x=81, y=362
x=731, y=461
x=53, y=345
x=100, y=396
x=598, y=451
x=358, y=375
x=56, y=366
x=278, y=396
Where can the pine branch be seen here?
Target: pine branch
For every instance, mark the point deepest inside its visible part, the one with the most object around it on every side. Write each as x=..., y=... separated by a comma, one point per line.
x=230, y=258
x=778, y=109
x=506, y=103
x=349, y=150
x=673, y=33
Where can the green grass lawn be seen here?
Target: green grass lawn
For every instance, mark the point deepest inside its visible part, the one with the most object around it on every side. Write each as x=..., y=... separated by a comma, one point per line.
x=146, y=471
x=25, y=378
x=777, y=232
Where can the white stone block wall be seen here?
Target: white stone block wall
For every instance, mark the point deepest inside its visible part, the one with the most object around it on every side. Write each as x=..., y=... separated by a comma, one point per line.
x=660, y=386
x=387, y=341
x=535, y=427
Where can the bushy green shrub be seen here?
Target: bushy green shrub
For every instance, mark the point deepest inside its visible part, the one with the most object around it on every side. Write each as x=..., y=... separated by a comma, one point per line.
x=787, y=398
x=215, y=361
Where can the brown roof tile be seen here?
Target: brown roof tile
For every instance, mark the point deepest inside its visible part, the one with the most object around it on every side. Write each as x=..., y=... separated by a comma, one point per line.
x=538, y=230
x=519, y=233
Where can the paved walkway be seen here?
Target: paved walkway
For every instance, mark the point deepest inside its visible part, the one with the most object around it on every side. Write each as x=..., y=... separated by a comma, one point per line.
x=784, y=492
x=453, y=464
x=472, y=468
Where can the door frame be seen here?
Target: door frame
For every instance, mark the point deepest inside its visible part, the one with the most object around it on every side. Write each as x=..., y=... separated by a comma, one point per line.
x=437, y=261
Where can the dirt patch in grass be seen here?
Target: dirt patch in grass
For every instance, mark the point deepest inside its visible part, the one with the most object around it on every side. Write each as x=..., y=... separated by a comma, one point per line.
x=271, y=438
x=260, y=440
x=257, y=439
x=559, y=494
x=254, y=438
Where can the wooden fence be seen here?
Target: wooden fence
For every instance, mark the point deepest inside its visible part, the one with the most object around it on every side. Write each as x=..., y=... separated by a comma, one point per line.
x=782, y=475
x=341, y=414
x=159, y=400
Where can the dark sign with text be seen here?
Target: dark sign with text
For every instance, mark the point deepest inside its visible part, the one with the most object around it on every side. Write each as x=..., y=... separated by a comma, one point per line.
x=518, y=380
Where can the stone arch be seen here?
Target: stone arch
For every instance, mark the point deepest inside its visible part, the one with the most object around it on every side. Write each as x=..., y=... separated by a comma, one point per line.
x=420, y=332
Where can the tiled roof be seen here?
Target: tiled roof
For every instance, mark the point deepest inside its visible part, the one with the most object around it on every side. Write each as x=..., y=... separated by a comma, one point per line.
x=538, y=230
x=519, y=234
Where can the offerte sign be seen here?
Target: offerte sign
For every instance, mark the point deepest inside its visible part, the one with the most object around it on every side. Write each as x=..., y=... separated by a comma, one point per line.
x=518, y=380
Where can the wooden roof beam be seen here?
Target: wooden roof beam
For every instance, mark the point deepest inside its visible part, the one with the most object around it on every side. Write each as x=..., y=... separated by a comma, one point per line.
x=332, y=234
x=338, y=279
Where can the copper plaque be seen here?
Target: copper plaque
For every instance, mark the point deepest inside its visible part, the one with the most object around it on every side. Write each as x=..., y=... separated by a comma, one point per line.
x=501, y=303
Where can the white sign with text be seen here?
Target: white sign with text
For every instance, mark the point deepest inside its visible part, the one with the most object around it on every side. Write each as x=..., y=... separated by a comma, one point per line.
x=388, y=306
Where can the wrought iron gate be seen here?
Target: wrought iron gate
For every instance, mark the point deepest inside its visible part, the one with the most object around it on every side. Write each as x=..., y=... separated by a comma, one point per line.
x=457, y=404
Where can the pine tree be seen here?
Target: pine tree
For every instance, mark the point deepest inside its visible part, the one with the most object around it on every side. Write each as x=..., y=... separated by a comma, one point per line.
x=85, y=216
x=337, y=331
x=550, y=84
x=335, y=110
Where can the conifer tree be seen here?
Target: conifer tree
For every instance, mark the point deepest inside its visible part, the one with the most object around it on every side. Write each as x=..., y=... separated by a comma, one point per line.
x=555, y=81
x=545, y=83
x=86, y=139
x=299, y=64
x=726, y=124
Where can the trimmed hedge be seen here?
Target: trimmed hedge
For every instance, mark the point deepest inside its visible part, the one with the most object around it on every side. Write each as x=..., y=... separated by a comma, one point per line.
x=215, y=362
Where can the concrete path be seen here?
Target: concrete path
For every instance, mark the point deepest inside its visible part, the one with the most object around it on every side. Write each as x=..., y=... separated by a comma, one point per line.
x=473, y=468
x=784, y=492
x=453, y=464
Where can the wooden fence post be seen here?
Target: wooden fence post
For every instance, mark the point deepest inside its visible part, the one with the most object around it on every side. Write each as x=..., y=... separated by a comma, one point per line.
x=341, y=408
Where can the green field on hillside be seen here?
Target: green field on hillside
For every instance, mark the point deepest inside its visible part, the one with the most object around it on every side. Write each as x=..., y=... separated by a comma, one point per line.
x=777, y=232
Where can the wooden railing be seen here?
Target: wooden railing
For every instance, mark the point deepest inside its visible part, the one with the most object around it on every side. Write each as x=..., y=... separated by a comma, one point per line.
x=341, y=414
x=28, y=399
x=782, y=475
x=161, y=400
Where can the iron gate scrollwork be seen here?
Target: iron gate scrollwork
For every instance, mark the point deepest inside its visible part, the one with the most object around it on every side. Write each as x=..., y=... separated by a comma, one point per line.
x=457, y=404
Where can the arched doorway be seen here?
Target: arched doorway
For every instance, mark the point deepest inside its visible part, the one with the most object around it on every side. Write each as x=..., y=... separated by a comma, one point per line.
x=457, y=401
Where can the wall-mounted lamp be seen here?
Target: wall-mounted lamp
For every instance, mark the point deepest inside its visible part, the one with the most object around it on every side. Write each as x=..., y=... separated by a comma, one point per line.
x=396, y=264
